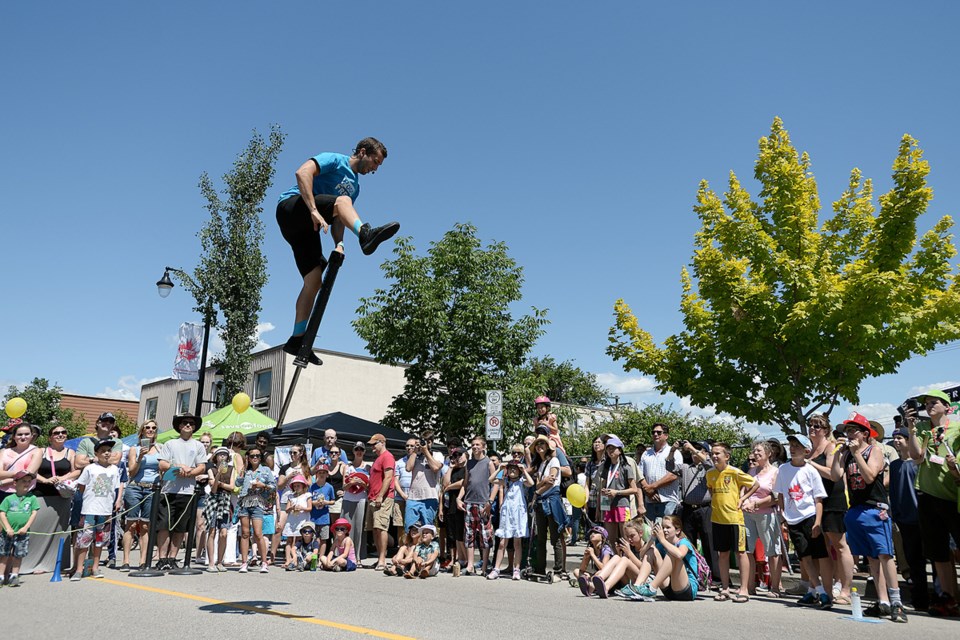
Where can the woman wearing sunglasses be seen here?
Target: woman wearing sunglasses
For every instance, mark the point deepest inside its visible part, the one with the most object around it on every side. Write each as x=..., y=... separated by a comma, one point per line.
x=143, y=467
x=21, y=455
x=257, y=495
x=57, y=464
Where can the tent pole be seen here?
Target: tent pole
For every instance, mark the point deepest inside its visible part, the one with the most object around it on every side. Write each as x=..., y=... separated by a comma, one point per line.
x=306, y=347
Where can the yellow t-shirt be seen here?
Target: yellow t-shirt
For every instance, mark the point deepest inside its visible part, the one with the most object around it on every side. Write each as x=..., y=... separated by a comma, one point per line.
x=725, y=489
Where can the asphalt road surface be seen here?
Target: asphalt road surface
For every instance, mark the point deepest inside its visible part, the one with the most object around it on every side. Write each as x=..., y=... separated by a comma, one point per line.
x=348, y=605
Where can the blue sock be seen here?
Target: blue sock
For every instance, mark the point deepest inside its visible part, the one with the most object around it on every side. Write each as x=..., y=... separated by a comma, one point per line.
x=356, y=227
x=300, y=328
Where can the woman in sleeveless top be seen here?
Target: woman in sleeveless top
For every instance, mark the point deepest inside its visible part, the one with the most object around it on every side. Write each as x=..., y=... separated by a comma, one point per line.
x=834, y=508
x=761, y=521
x=20, y=456
x=143, y=467
x=57, y=465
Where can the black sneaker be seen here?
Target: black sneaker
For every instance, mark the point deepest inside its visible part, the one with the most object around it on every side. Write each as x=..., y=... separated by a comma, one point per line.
x=172, y=563
x=293, y=348
x=370, y=238
x=161, y=564
x=825, y=602
x=125, y=567
x=897, y=614
x=877, y=610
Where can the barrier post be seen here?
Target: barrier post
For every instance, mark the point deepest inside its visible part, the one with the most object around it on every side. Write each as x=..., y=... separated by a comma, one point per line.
x=187, y=570
x=148, y=571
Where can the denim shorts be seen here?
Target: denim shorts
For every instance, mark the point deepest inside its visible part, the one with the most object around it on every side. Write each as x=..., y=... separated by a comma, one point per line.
x=137, y=502
x=254, y=513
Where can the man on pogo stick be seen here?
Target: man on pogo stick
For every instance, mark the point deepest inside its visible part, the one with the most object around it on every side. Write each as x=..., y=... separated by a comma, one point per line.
x=327, y=186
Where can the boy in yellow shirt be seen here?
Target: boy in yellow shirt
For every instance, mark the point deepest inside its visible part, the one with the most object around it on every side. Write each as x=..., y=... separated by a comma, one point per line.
x=726, y=483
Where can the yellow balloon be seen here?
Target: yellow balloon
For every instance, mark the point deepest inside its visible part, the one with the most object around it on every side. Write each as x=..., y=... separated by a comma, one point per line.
x=16, y=407
x=577, y=495
x=241, y=402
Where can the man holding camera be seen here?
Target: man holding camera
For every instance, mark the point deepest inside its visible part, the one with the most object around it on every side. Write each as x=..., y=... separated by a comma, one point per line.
x=423, y=495
x=934, y=451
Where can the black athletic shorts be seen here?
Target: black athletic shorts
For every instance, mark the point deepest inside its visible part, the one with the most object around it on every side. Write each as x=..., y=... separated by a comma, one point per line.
x=456, y=524
x=939, y=520
x=296, y=225
x=729, y=537
x=172, y=513
x=801, y=535
x=832, y=522
x=683, y=596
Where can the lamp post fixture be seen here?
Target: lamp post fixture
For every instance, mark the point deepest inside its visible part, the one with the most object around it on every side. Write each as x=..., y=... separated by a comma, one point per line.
x=164, y=287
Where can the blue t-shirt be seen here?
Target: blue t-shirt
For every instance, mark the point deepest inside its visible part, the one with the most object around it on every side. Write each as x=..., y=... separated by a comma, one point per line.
x=689, y=562
x=323, y=454
x=321, y=515
x=336, y=178
x=903, y=498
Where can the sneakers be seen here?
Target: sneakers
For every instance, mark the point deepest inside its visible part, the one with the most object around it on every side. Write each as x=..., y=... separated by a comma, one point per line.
x=645, y=591
x=516, y=574
x=263, y=568
x=125, y=567
x=14, y=581
x=221, y=568
x=98, y=575
x=943, y=607
x=809, y=599
x=897, y=614
x=75, y=577
x=370, y=238
x=825, y=603
x=493, y=575
x=626, y=591
x=243, y=568
x=877, y=610
x=336, y=568
x=293, y=348
x=212, y=569
x=456, y=569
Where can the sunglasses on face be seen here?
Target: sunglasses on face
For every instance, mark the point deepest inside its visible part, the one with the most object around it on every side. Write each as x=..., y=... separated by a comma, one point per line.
x=152, y=427
x=58, y=433
x=253, y=455
x=657, y=433
x=340, y=529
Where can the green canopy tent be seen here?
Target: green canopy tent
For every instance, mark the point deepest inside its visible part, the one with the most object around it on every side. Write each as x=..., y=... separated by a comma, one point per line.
x=222, y=422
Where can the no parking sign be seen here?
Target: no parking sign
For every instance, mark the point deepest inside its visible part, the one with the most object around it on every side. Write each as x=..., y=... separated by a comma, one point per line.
x=494, y=425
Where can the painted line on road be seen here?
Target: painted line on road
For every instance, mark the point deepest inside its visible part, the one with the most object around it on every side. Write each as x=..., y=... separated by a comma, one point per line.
x=280, y=614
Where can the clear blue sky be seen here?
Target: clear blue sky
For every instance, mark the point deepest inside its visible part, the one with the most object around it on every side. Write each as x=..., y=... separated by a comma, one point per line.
x=577, y=136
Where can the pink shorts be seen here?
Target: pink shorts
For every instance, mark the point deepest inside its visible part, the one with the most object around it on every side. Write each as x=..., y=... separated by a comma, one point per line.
x=617, y=514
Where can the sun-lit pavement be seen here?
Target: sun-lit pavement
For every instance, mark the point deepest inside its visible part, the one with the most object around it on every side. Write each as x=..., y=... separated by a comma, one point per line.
x=365, y=602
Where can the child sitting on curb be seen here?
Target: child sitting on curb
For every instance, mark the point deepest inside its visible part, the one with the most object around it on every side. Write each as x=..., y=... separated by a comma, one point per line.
x=426, y=562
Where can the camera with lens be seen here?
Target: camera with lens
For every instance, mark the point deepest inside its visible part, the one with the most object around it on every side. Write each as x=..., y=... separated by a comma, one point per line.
x=422, y=442
x=909, y=403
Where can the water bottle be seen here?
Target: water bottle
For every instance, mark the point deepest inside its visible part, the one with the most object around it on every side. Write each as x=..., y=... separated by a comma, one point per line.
x=855, y=605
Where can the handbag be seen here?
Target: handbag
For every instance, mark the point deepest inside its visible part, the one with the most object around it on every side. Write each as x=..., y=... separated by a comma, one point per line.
x=64, y=487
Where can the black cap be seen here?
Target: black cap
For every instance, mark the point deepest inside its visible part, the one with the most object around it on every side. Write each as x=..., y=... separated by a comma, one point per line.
x=104, y=443
x=106, y=415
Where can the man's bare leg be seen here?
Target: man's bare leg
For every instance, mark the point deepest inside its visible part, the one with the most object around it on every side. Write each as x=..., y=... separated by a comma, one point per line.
x=370, y=237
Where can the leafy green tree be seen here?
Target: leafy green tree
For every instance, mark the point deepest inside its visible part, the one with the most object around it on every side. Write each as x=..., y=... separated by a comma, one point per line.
x=233, y=268
x=126, y=424
x=563, y=382
x=447, y=314
x=785, y=316
x=44, y=410
x=632, y=426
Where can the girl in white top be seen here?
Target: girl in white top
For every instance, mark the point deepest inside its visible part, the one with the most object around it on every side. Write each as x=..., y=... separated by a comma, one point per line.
x=299, y=505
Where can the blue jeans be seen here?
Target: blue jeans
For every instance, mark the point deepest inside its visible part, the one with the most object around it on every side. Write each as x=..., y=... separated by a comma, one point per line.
x=575, y=524
x=659, y=509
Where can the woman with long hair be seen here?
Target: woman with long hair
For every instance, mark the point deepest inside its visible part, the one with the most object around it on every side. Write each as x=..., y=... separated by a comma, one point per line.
x=257, y=495
x=143, y=467
x=299, y=465
x=20, y=455
x=58, y=464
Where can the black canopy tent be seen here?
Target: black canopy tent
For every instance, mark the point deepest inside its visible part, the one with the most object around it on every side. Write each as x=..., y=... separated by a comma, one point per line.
x=349, y=429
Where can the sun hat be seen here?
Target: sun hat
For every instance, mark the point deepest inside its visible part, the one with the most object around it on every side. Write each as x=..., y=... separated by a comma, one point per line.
x=308, y=526
x=298, y=479
x=342, y=522
x=429, y=527
x=544, y=439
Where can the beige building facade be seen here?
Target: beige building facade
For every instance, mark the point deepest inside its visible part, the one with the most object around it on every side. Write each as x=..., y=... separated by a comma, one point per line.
x=356, y=385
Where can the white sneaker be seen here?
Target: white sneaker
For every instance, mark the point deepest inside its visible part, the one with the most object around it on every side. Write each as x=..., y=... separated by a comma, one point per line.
x=243, y=568
x=263, y=568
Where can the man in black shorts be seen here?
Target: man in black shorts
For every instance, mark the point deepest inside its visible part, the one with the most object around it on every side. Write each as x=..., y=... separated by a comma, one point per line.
x=181, y=461
x=322, y=200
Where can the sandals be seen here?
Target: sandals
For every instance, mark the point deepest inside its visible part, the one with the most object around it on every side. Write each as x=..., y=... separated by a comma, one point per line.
x=586, y=588
x=390, y=571
x=721, y=597
x=740, y=598
x=841, y=600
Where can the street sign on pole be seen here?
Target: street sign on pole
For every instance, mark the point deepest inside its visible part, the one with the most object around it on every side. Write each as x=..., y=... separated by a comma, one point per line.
x=494, y=423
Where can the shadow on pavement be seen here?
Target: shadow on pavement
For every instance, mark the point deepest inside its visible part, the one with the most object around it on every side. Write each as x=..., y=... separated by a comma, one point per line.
x=250, y=607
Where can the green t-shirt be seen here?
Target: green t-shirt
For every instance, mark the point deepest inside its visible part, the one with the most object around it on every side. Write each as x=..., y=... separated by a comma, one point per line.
x=933, y=478
x=85, y=448
x=18, y=509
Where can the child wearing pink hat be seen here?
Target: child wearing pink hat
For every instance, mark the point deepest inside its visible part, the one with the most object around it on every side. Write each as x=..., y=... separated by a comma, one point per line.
x=342, y=555
x=298, y=512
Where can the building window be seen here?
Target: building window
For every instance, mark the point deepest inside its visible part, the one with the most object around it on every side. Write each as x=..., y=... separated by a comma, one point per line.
x=150, y=409
x=262, y=381
x=218, y=394
x=183, y=402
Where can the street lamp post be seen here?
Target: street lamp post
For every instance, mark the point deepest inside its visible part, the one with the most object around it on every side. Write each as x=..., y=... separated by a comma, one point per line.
x=164, y=287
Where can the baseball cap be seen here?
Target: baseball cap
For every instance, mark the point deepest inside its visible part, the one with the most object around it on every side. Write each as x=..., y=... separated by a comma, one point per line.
x=322, y=467
x=429, y=527
x=860, y=421
x=104, y=443
x=934, y=393
x=902, y=433
x=375, y=438
x=614, y=441
x=542, y=430
x=359, y=445
x=106, y=415
x=802, y=440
